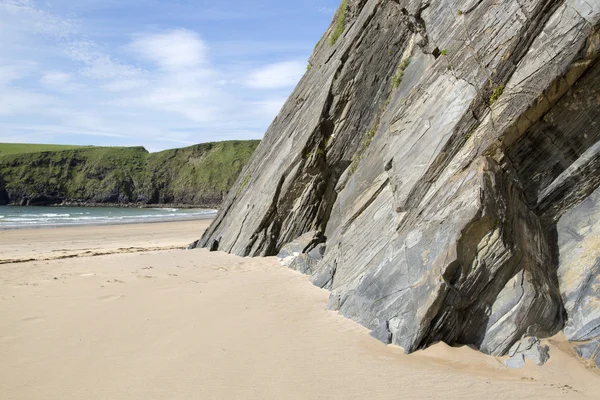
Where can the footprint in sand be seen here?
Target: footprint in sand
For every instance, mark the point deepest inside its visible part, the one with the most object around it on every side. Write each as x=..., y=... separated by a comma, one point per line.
x=33, y=319
x=110, y=297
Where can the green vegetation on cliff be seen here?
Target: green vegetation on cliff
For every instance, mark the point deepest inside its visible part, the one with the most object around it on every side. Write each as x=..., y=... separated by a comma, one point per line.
x=200, y=174
x=340, y=25
x=22, y=148
x=196, y=175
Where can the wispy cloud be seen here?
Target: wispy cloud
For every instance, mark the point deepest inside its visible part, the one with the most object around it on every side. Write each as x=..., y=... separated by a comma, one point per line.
x=55, y=79
x=16, y=101
x=153, y=85
x=98, y=64
x=173, y=50
x=325, y=10
x=23, y=15
x=278, y=75
x=11, y=73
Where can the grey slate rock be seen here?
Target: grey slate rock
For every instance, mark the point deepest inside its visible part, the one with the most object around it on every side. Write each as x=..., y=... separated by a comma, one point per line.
x=438, y=195
x=382, y=333
x=214, y=246
x=323, y=277
x=304, y=253
x=318, y=251
x=538, y=354
x=579, y=268
x=515, y=362
x=523, y=346
x=193, y=245
x=590, y=351
x=297, y=246
x=579, y=274
x=527, y=349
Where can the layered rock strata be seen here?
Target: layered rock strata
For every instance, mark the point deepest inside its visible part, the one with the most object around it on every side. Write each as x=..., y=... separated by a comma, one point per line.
x=446, y=154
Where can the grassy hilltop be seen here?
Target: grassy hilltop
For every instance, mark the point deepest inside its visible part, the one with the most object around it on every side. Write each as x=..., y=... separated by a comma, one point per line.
x=23, y=148
x=49, y=174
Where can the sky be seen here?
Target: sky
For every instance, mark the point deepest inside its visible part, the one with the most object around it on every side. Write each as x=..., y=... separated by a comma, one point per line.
x=156, y=73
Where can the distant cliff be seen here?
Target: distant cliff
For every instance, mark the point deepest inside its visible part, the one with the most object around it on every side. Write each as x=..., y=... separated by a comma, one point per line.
x=196, y=175
x=439, y=166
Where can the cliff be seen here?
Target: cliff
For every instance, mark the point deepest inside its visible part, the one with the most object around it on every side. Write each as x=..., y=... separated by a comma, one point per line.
x=196, y=175
x=437, y=168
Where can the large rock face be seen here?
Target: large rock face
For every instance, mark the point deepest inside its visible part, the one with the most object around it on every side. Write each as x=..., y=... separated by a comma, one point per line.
x=434, y=146
x=579, y=274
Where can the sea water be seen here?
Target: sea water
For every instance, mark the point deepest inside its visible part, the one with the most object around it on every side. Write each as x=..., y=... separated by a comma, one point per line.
x=12, y=217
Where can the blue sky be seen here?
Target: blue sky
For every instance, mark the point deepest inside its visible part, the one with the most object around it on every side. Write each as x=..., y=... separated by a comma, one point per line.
x=161, y=74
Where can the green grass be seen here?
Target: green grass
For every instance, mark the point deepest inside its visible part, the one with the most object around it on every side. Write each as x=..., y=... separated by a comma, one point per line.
x=199, y=175
x=340, y=24
x=397, y=78
x=22, y=148
x=496, y=93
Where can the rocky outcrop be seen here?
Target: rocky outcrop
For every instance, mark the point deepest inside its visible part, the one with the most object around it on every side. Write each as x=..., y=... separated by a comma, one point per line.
x=579, y=274
x=435, y=146
x=304, y=253
x=198, y=175
x=527, y=349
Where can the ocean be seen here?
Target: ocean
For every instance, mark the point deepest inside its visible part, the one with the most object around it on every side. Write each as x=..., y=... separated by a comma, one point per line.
x=14, y=217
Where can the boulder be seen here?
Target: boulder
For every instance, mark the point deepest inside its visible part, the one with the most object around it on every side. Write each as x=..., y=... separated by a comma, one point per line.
x=304, y=253
x=515, y=362
x=527, y=349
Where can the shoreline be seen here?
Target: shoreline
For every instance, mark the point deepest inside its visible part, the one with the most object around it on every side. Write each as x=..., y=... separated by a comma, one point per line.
x=208, y=216
x=117, y=205
x=60, y=242
x=132, y=205
x=41, y=217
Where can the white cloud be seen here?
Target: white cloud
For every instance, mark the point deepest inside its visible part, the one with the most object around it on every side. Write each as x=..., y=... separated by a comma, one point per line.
x=276, y=76
x=180, y=79
x=172, y=50
x=98, y=64
x=55, y=79
x=162, y=87
x=124, y=85
x=10, y=73
x=16, y=101
x=24, y=16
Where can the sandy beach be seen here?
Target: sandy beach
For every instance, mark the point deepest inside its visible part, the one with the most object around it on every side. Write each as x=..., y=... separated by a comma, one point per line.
x=123, y=312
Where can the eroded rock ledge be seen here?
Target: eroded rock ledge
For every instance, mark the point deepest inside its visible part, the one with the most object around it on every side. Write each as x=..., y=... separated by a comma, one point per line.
x=446, y=156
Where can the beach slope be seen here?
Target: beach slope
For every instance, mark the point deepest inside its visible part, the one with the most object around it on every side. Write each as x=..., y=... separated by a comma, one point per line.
x=183, y=324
